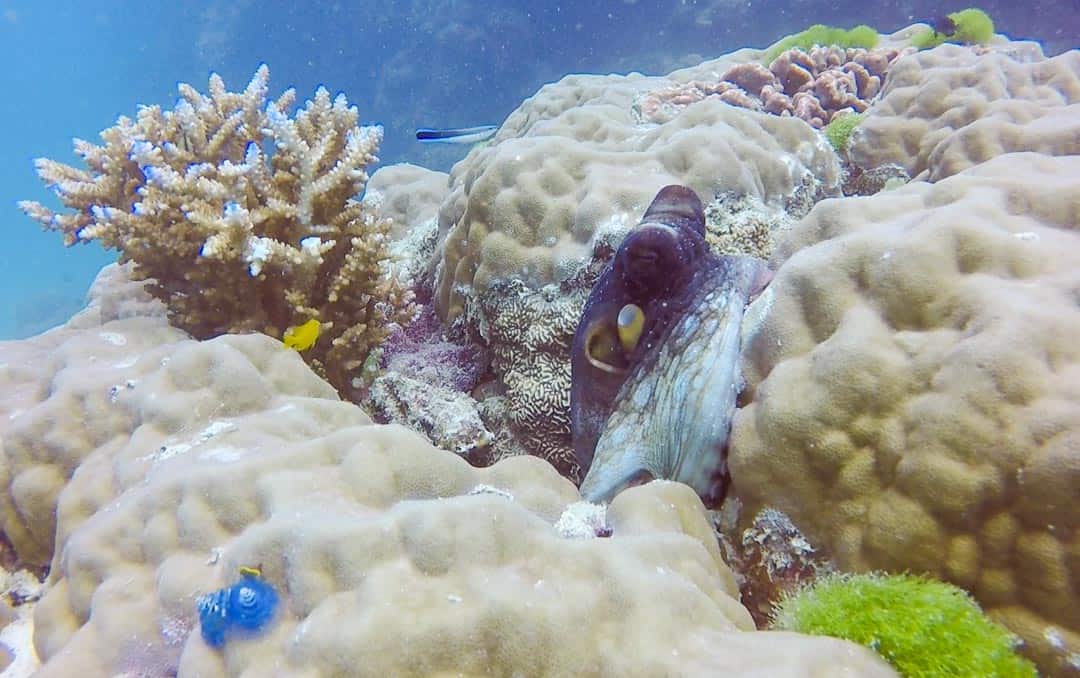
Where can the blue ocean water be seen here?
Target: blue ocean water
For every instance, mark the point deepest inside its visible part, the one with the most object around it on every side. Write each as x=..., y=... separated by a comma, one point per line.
x=70, y=68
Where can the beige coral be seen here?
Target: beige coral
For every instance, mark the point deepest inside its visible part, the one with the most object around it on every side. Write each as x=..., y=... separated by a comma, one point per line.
x=566, y=177
x=528, y=206
x=234, y=238
x=914, y=389
x=407, y=195
x=391, y=557
x=949, y=108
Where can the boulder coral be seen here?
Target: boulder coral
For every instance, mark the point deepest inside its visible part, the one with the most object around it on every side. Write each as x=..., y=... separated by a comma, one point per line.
x=177, y=462
x=529, y=218
x=573, y=159
x=947, y=109
x=913, y=398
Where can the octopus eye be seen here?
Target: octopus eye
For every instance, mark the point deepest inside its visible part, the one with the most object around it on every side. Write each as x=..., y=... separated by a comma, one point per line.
x=603, y=346
x=630, y=323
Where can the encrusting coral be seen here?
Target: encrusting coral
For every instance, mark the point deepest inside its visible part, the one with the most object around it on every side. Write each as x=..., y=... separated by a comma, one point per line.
x=243, y=218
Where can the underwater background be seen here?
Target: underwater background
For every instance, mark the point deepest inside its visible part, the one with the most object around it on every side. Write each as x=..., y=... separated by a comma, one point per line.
x=71, y=68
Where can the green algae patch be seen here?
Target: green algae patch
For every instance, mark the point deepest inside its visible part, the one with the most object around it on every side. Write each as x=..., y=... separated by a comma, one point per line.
x=839, y=130
x=820, y=34
x=924, y=628
x=969, y=26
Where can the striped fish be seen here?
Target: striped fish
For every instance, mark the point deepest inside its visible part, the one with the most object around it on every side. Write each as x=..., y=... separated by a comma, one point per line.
x=456, y=135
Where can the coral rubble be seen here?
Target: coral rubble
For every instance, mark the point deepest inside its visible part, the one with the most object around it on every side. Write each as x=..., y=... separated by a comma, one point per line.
x=241, y=217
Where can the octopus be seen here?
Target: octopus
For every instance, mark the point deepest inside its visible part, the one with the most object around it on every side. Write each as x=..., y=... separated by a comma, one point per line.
x=654, y=361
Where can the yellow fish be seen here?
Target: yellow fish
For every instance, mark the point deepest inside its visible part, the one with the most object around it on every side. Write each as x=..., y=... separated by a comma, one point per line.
x=302, y=337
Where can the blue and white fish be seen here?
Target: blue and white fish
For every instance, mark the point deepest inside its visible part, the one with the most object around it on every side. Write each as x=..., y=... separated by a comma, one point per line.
x=456, y=135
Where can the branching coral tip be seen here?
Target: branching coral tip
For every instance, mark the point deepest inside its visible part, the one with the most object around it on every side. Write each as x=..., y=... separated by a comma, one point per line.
x=302, y=337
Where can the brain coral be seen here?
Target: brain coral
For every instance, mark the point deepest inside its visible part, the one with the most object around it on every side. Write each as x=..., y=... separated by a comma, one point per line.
x=192, y=459
x=573, y=158
x=946, y=109
x=914, y=389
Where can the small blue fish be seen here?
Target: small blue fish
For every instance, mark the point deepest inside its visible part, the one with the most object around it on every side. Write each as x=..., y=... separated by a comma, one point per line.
x=456, y=135
x=245, y=608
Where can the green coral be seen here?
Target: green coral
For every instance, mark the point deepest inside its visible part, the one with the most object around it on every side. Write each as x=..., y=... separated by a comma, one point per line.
x=820, y=34
x=839, y=129
x=924, y=628
x=972, y=27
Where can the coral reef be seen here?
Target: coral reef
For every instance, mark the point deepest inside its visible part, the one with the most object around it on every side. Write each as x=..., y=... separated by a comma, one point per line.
x=815, y=85
x=922, y=627
x=912, y=399
x=950, y=108
x=573, y=160
x=390, y=557
x=234, y=238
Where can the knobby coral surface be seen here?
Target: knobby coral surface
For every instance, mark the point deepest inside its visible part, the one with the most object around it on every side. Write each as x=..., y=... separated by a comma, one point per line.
x=949, y=108
x=814, y=85
x=242, y=217
x=567, y=175
x=914, y=389
x=169, y=463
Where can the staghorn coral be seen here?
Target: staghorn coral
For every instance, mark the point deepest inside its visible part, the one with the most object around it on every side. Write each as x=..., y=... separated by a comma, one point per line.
x=235, y=238
x=912, y=389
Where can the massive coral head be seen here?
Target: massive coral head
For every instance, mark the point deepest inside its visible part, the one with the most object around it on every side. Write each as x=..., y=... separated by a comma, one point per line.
x=241, y=217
